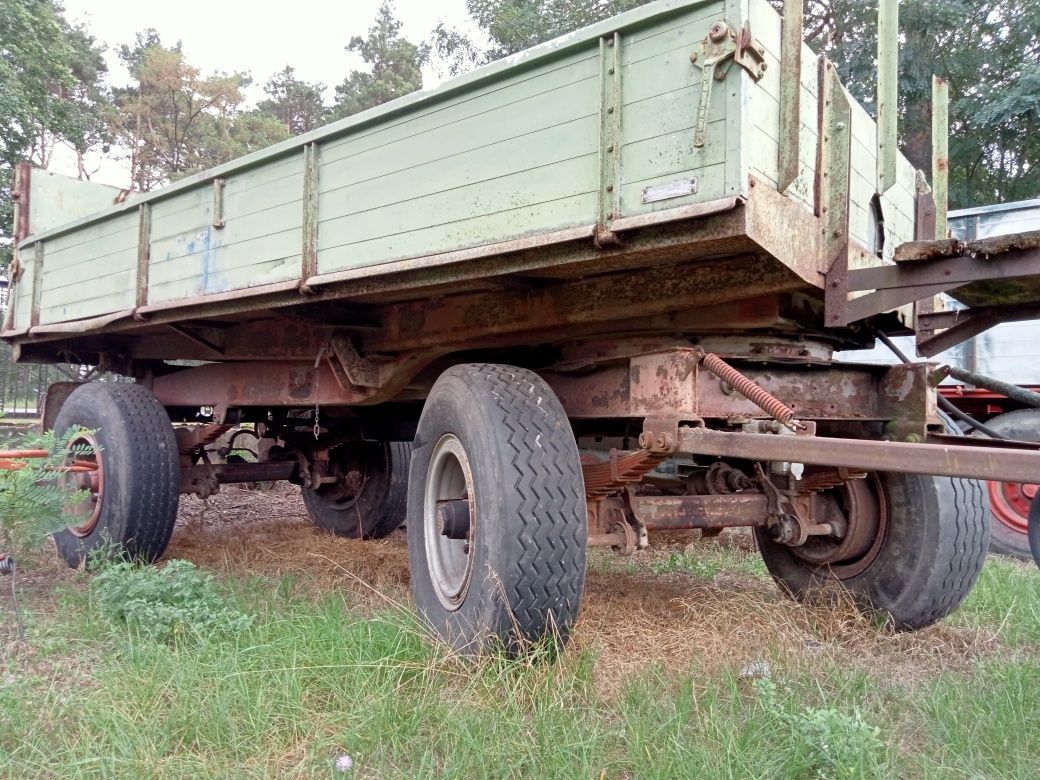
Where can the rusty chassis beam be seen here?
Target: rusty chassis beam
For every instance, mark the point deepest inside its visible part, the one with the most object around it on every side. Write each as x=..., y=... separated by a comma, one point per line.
x=996, y=463
x=671, y=382
x=672, y=513
x=228, y=473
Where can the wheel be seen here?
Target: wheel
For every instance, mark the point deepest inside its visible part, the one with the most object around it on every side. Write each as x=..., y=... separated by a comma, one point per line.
x=1034, y=529
x=913, y=548
x=368, y=502
x=129, y=463
x=497, y=524
x=1009, y=501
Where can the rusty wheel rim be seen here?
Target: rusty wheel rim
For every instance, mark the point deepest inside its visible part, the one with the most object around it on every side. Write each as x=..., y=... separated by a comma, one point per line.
x=86, y=473
x=1010, y=502
x=861, y=504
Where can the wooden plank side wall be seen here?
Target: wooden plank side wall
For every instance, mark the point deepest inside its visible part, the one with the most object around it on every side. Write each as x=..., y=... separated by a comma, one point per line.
x=23, y=290
x=764, y=109
x=660, y=96
x=90, y=271
x=260, y=243
x=897, y=205
x=518, y=156
x=513, y=155
x=764, y=114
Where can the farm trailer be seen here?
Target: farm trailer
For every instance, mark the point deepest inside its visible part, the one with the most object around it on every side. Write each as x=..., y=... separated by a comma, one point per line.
x=583, y=294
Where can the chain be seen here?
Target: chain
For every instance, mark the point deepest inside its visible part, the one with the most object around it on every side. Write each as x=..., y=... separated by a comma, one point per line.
x=317, y=389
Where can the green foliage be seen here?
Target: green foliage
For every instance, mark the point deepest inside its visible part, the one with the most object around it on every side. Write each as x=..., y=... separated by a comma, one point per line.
x=173, y=121
x=33, y=498
x=296, y=104
x=163, y=604
x=824, y=742
x=51, y=91
x=514, y=25
x=987, y=50
x=312, y=679
x=1007, y=595
x=710, y=560
x=395, y=66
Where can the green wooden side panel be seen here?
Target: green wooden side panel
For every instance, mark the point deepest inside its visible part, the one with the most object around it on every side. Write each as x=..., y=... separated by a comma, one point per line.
x=260, y=241
x=515, y=150
x=467, y=173
x=660, y=96
x=22, y=292
x=91, y=271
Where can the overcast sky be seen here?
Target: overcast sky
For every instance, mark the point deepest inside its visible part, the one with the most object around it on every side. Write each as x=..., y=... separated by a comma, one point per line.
x=260, y=37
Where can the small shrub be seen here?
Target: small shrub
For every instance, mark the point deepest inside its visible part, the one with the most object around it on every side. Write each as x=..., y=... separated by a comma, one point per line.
x=833, y=745
x=32, y=498
x=165, y=603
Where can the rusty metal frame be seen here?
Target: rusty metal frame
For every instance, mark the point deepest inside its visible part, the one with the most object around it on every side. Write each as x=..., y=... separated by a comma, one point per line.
x=996, y=463
x=664, y=513
x=959, y=325
x=895, y=285
x=673, y=383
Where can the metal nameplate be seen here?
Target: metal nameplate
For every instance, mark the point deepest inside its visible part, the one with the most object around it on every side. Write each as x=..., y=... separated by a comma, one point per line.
x=672, y=189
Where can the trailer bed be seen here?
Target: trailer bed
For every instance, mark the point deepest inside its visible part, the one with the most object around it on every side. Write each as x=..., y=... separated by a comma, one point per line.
x=517, y=168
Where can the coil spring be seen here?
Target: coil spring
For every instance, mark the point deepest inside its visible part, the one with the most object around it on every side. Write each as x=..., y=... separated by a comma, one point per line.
x=7, y=564
x=750, y=390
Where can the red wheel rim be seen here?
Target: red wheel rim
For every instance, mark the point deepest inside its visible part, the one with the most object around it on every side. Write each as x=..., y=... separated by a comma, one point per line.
x=1009, y=503
x=86, y=473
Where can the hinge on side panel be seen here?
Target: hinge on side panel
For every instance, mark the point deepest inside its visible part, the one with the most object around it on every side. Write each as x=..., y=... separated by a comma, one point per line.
x=716, y=54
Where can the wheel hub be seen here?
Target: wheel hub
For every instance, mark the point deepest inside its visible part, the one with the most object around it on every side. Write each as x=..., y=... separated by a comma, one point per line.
x=1010, y=502
x=859, y=506
x=448, y=528
x=86, y=473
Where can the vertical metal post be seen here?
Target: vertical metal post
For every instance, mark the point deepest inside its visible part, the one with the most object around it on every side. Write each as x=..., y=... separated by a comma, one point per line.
x=218, y=203
x=834, y=173
x=790, y=93
x=940, y=153
x=887, y=92
x=37, y=283
x=144, y=252
x=609, y=136
x=310, y=215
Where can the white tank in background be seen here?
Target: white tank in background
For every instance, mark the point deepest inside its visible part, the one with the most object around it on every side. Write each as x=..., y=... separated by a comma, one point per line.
x=1010, y=351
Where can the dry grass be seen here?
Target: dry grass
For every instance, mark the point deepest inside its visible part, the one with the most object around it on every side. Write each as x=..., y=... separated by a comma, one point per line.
x=677, y=621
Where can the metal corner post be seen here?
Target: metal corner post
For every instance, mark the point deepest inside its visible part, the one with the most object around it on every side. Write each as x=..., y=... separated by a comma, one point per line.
x=790, y=93
x=940, y=153
x=887, y=92
x=609, y=135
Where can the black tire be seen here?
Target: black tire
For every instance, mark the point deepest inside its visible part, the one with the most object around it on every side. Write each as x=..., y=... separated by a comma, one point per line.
x=1034, y=529
x=141, y=472
x=1009, y=521
x=378, y=509
x=927, y=560
x=521, y=569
